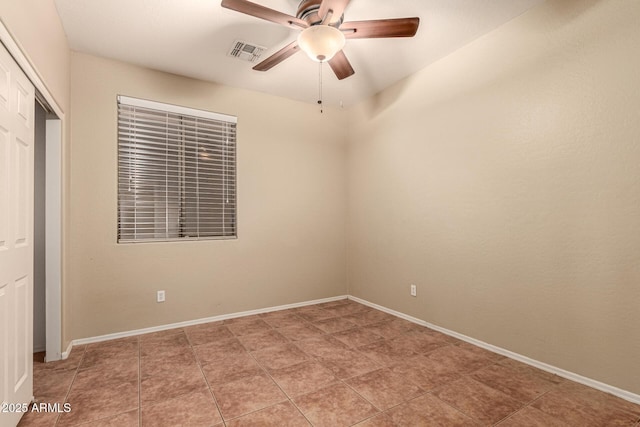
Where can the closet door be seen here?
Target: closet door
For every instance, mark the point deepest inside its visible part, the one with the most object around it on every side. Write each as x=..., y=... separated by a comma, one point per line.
x=17, y=100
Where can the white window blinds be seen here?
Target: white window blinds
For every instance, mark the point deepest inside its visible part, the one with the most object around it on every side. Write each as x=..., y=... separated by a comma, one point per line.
x=176, y=173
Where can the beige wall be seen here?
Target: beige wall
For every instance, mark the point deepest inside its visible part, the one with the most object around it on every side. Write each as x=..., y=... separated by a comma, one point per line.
x=291, y=209
x=505, y=182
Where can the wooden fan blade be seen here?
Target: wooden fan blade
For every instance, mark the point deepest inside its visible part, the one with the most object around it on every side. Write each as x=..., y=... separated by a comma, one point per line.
x=278, y=57
x=335, y=6
x=249, y=8
x=401, y=27
x=341, y=66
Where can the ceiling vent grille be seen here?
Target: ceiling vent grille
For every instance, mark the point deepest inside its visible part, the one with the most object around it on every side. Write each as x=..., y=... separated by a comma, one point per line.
x=245, y=51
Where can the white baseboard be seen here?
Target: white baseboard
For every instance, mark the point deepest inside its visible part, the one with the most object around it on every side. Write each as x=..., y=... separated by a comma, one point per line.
x=624, y=394
x=125, y=334
x=67, y=352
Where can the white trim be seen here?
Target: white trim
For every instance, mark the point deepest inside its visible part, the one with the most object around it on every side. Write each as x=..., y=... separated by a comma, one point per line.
x=67, y=352
x=23, y=61
x=54, y=323
x=125, y=334
x=623, y=394
x=53, y=195
x=137, y=102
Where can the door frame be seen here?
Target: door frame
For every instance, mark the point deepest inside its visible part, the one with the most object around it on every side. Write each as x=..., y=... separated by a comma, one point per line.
x=55, y=131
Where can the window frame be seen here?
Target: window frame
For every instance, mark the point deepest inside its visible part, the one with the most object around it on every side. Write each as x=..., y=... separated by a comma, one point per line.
x=186, y=114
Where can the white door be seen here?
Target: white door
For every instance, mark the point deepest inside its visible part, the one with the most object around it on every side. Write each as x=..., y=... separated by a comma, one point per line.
x=17, y=102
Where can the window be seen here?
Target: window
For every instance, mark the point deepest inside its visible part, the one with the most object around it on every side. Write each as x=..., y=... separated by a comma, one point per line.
x=176, y=173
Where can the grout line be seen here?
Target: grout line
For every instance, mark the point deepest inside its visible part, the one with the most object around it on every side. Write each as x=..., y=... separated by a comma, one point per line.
x=276, y=383
x=139, y=383
x=206, y=380
x=526, y=405
x=75, y=375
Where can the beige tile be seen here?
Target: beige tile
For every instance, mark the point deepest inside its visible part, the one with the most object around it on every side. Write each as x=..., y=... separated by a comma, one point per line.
x=385, y=353
x=346, y=309
x=369, y=317
x=196, y=409
x=154, y=365
x=390, y=328
x=459, y=358
x=531, y=371
x=427, y=410
x=531, y=417
x=418, y=342
x=160, y=334
x=249, y=327
x=348, y=363
x=171, y=383
x=206, y=333
x=466, y=381
x=118, y=371
x=231, y=368
x=591, y=396
x=243, y=320
x=262, y=340
x=38, y=419
x=52, y=385
x=481, y=352
x=282, y=319
x=207, y=353
x=334, y=324
x=127, y=419
x=279, y=356
x=162, y=345
x=304, y=309
x=329, y=304
x=247, y=395
x=516, y=384
x=478, y=401
x=279, y=415
x=380, y=420
x=301, y=331
x=332, y=406
x=426, y=373
x=356, y=337
x=109, y=343
x=70, y=363
x=95, y=403
x=202, y=326
x=303, y=378
x=315, y=315
x=384, y=389
x=574, y=410
x=109, y=352
x=321, y=346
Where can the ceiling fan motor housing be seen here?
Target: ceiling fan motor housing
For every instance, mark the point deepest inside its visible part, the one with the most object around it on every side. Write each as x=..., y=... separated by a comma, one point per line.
x=308, y=11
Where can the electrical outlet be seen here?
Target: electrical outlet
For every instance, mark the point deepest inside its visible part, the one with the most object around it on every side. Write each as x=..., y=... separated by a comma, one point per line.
x=160, y=296
x=414, y=290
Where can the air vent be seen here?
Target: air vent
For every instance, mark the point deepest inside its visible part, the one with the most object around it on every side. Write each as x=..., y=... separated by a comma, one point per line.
x=245, y=51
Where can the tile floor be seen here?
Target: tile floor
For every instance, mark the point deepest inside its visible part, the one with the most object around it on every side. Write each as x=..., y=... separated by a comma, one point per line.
x=333, y=364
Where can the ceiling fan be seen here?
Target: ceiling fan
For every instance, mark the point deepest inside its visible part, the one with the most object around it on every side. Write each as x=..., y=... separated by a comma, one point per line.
x=323, y=31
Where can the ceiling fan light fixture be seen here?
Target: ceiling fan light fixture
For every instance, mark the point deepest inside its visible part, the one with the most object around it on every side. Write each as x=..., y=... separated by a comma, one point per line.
x=321, y=42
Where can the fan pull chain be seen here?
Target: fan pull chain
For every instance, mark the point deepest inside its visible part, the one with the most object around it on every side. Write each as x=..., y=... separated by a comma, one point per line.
x=320, y=86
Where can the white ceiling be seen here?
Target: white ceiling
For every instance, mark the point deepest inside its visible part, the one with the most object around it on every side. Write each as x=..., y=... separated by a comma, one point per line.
x=192, y=38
